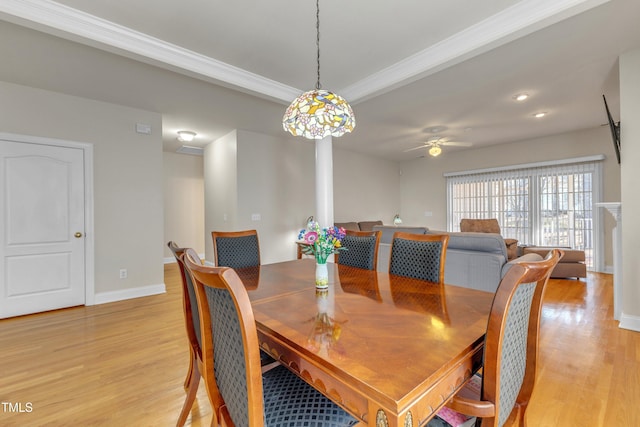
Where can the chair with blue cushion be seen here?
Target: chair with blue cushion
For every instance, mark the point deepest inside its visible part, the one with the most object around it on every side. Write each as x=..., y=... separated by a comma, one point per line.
x=501, y=395
x=419, y=256
x=236, y=249
x=240, y=250
x=192, y=324
x=240, y=394
x=361, y=249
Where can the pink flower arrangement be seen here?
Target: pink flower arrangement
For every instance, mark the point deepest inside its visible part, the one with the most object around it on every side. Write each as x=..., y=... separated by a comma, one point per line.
x=321, y=243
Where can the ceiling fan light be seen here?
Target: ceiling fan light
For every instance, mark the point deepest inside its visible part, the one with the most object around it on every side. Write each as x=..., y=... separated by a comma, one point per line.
x=435, y=151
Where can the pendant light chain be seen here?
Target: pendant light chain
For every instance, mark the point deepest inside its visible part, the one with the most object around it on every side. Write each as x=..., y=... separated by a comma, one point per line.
x=318, y=40
x=318, y=113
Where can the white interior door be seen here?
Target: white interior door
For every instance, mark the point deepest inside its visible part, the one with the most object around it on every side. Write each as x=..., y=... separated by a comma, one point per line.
x=42, y=255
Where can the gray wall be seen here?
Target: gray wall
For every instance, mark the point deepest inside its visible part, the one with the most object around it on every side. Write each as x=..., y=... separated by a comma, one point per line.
x=248, y=173
x=423, y=185
x=630, y=144
x=128, y=193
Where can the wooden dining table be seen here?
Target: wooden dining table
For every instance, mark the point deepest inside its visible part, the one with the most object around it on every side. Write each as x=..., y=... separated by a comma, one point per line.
x=390, y=350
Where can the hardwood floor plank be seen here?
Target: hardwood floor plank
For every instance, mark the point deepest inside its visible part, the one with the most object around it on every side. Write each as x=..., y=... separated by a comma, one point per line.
x=124, y=363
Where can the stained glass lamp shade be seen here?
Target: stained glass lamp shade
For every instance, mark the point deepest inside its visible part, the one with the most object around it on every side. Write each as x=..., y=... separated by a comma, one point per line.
x=317, y=114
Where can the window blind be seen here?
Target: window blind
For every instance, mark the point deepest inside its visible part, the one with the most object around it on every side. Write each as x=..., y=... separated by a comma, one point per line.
x=540, y=204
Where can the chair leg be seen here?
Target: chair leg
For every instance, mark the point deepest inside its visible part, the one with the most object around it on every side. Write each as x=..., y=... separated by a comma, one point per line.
x=192, y=391
x=192, y=363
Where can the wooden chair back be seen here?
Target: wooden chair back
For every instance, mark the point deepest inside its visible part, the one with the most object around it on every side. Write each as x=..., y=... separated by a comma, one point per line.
x=192, y=327
x=511, y=345
x=361, y=249
x=420, y=256
x=236, y=249
x=227, y=320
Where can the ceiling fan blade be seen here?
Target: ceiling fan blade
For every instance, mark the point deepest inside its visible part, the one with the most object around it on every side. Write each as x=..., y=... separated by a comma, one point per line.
x=456, y=144
x=416, y=148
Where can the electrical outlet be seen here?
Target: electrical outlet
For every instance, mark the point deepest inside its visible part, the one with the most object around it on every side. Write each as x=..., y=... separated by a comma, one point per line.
x=123, y=273
x=255, y=217
x=428, y=213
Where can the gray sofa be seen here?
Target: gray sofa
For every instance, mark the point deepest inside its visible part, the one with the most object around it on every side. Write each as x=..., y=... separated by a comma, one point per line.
x=474, y=260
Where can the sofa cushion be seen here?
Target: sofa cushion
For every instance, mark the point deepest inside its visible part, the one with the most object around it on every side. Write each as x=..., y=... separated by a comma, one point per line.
x=570, y=255
x=389, y=230
x=368, y=225
x=348, y=225
x=480, y=225
x=473, y=269
x=480, y=242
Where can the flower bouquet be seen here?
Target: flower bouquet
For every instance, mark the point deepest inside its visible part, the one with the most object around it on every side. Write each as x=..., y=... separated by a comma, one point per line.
x=321, y=243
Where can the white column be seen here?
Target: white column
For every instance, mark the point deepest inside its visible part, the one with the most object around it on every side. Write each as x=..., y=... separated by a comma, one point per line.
x=616, y=210
x=324, y=182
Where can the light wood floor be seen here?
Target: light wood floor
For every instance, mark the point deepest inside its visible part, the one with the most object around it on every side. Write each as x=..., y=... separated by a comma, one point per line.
x=123, y=364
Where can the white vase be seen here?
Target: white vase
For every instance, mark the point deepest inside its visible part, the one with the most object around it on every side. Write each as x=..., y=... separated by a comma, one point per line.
x=322, y=276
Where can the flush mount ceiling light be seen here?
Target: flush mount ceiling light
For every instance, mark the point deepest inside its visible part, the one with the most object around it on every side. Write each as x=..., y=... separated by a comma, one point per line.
x=521, y=97
x=319, y=113
x=540, y=115
x=186, y=136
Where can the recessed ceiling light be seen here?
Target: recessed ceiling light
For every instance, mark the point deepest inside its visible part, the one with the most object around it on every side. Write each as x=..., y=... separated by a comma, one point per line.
x=521, y=96
x=540, y=115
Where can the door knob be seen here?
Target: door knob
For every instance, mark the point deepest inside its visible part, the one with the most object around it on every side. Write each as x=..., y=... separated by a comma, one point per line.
x=78, y=235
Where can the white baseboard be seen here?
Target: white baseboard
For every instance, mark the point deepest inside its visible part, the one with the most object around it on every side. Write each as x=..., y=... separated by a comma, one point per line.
x=143, y=291
x=631, y=323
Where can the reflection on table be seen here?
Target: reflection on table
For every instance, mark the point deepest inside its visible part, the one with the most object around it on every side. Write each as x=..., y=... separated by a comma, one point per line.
x=387, y=349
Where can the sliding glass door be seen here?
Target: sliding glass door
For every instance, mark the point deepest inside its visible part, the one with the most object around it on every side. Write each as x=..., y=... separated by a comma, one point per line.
x=550, y=205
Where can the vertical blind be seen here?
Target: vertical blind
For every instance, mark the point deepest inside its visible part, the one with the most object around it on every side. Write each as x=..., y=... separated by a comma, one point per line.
x=543, y=205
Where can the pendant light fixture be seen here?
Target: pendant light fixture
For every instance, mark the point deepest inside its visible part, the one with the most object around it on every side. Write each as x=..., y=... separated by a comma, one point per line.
x=319, y=113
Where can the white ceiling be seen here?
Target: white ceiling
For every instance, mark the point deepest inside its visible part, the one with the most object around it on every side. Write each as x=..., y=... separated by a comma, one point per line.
x=214, y=66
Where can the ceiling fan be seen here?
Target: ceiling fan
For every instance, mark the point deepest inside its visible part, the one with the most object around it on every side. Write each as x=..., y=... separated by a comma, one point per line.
x=435, y=144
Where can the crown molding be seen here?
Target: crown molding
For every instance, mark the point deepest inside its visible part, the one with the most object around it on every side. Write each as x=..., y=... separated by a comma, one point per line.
x=52, y=15
x=516, y=21
x=521, y=19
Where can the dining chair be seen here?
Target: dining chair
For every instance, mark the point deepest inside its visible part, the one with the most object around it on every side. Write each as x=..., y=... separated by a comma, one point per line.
x=236, y=249
x=420, y=256
x=241, y=250
x=361, y=249
x=192, y=324
x=240, y=394
x=501, y=395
